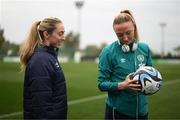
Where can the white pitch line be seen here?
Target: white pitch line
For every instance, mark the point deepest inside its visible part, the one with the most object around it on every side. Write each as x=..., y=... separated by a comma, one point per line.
x=84, y=99
x=11, y=114
x=69, y=103
x=171, y=82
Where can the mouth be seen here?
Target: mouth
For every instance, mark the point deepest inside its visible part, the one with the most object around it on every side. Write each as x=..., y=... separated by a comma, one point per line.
x=127, y=43
x=60, y=42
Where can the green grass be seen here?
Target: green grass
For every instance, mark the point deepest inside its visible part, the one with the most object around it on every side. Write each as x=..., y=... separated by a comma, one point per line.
x=81, y=83
x=10, y=87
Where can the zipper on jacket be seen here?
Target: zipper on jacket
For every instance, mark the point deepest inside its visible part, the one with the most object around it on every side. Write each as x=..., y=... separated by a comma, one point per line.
x=137, y=94
x=137, y=105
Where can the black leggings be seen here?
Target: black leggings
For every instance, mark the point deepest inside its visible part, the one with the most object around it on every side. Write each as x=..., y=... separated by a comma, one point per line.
x=111, y=114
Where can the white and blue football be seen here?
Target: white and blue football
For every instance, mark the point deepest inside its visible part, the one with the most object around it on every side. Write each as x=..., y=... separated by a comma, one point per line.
x=149, y=78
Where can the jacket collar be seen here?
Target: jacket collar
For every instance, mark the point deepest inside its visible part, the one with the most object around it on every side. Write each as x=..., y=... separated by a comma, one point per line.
x=49, y=49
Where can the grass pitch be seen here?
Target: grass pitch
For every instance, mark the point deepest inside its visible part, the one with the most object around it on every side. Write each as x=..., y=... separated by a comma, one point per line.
x=82, y=83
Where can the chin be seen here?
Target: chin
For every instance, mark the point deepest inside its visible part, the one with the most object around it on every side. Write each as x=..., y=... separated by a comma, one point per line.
x=127, y=43
x=58, y=46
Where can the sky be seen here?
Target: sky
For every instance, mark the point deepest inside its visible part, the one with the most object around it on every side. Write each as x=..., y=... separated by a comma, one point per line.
x=17, y=16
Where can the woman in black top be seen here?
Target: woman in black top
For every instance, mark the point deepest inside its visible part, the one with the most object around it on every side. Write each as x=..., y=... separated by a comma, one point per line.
x=45, y=94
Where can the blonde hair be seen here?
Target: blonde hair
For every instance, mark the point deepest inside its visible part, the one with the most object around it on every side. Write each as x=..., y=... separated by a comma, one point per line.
x=126, y=16
x=35, y=38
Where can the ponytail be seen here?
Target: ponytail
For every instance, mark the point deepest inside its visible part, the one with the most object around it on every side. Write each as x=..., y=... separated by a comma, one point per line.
x=128, y=12
x=28, y=46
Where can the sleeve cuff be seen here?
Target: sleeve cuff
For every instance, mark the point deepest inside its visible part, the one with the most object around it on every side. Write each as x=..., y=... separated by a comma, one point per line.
x=115, y=86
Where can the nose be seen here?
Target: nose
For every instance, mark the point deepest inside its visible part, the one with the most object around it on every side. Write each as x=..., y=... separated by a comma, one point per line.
x=125, y=38
x=63, y=38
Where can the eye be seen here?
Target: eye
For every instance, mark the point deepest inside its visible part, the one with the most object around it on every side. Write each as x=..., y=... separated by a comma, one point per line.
x=61, y=33
x=128, y=32
x=119, y=34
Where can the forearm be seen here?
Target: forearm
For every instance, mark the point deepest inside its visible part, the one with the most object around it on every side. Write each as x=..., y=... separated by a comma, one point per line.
x=108, y=86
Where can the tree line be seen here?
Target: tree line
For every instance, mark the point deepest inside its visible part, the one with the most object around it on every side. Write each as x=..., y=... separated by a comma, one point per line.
x=68, y=49
x=70, y=46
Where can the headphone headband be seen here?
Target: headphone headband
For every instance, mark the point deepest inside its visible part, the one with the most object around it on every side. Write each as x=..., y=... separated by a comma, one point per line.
x=126, y=48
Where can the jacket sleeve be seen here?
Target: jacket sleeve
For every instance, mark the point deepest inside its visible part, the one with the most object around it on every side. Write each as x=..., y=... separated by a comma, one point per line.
x=41, y=89
x=145, y=49
x=104, y=72
x=149, y=58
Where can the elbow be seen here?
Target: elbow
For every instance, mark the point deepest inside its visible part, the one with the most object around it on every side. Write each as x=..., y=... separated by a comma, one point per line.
x=101, y=88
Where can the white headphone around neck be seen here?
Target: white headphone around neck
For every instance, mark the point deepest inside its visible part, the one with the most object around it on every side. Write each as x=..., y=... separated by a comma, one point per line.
x=126, y=48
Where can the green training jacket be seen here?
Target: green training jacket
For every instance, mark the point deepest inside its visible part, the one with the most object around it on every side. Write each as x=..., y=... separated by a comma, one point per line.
x=114, y=66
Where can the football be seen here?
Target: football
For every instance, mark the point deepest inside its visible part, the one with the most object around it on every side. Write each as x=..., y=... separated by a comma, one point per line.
x=149, y=78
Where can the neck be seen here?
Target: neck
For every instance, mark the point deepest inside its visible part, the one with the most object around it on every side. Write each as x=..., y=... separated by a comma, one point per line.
x=46, y=43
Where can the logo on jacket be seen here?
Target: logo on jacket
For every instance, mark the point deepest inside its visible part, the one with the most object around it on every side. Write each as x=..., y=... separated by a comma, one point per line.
x=123, y=60
x=57, y=65
x=140, y=58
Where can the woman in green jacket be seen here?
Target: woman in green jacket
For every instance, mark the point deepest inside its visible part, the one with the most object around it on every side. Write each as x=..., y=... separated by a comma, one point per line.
x=116, y=62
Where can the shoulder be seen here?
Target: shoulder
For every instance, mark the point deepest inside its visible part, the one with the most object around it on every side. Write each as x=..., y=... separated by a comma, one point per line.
x=110, y=48
x=143, y=46
x=40, y=60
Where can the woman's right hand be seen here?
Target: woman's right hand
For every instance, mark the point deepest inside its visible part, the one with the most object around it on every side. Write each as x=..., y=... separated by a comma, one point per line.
x=129, y=84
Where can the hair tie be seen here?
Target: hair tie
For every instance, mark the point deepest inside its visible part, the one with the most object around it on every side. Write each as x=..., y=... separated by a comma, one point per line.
x=38, y=26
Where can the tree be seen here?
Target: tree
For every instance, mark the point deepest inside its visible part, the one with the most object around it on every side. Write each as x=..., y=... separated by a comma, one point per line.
x=71, y=44
x=91, y=50
x=177, y=50
x=1, y=38
x=7, y=48
x=72, y=40
x=1, y=42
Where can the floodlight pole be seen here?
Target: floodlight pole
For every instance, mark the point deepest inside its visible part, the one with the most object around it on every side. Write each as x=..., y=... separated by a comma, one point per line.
x=79, y=4
x=162, y=25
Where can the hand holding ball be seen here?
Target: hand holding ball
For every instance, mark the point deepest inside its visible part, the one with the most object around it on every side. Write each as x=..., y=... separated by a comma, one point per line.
x=149, y=78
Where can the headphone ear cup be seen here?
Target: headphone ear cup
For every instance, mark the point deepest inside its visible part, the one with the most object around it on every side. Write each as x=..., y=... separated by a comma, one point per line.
x=125, y=48
x=134, y=46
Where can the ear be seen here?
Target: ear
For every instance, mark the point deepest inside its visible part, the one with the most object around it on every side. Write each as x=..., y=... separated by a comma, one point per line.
x=45, y=34
x=114, y=28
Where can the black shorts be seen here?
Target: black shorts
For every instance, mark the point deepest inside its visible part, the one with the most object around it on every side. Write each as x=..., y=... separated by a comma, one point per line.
x=112, y=114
